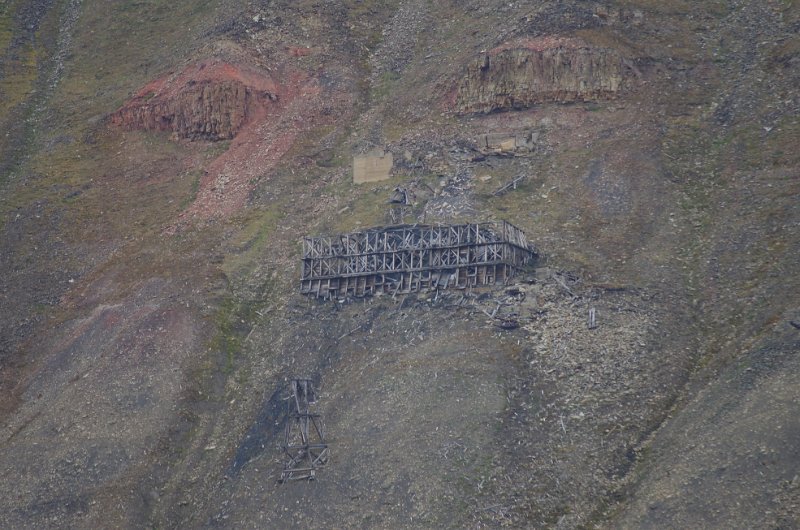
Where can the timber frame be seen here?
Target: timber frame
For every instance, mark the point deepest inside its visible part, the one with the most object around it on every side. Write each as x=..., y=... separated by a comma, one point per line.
x=412, y=258
x=304, y=440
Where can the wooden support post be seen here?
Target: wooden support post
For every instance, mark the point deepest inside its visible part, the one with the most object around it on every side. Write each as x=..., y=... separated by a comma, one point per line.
x=592, y=318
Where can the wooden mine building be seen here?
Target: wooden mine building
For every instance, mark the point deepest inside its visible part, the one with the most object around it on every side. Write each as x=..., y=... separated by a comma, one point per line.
x=412, y=258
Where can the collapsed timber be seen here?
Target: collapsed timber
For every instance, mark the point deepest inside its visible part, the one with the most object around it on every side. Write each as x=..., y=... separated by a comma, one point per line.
x=413, y=258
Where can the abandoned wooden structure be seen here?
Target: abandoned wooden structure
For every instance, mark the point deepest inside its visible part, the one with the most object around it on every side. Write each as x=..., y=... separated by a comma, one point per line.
x=304, y=439
x=411, y=258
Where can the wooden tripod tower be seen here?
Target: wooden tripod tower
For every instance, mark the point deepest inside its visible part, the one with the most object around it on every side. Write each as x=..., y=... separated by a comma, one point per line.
x=304, y=441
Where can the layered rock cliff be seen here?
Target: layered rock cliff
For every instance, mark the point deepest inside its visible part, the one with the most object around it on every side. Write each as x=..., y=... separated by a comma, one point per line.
x=214, y=111
x=212, y=105
x=527, y=72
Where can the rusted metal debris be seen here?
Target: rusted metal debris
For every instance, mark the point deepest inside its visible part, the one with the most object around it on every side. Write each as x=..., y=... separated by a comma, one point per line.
x=412, y=258
x=304, y=440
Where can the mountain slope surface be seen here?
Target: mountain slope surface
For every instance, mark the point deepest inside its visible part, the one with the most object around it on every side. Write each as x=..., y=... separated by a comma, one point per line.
x=162, y=161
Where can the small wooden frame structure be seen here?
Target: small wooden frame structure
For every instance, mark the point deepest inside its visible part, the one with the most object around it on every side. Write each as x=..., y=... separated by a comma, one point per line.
x=410, y=258
x=304, y=440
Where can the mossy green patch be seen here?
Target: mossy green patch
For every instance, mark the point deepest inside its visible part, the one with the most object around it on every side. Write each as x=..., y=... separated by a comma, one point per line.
x=366, y=206
x=384, y=86
x=195, y=177
x=231, y=325
x=252, y=239
x=241, y=306
x=366, y=17
x=18, y=79
x=6, y=32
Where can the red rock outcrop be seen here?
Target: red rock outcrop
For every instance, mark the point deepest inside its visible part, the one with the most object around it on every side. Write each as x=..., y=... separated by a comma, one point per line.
x=204, y=101
x=526, y=72
x=261, y=114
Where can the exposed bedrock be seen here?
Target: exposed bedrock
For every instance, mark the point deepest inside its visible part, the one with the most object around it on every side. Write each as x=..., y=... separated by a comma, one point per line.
x=526, y=72
x=213, y=111
x=198, y=104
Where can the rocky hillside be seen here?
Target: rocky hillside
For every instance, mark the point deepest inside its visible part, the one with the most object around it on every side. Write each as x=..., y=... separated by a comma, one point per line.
x=518, y=75
x=161, y=163
x=206, y=101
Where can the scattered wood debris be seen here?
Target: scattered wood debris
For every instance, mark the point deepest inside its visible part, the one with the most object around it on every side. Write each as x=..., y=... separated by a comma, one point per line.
x=512, y=185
